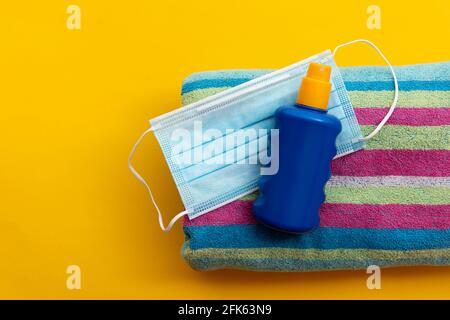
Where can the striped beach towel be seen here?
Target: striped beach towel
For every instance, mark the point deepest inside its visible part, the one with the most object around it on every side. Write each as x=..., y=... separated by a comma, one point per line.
x=387, y=205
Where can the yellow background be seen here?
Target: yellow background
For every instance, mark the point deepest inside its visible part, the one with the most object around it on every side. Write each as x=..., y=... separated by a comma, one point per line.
x=73, y=103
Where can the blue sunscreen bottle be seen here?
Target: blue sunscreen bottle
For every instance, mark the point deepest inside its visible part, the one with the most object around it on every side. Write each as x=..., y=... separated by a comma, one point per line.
x=289, y=200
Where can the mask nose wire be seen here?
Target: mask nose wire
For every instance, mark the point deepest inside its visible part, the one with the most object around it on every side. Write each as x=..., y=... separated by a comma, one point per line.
x=142, y=180
x=394, y=102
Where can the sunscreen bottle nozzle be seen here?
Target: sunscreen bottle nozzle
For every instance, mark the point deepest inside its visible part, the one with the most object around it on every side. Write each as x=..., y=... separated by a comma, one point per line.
x=316, y=87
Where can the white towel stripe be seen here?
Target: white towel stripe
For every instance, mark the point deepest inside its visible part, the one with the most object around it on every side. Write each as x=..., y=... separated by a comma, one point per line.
x=388, y=181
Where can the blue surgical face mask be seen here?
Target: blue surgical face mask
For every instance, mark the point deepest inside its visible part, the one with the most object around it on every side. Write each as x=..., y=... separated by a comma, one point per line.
x=217, y=148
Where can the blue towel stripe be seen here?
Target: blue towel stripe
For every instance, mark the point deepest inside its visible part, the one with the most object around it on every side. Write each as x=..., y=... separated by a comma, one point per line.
x=350, y=85
x=403, y=85
x=212, y=83
x=257, y=236
x=421, y=72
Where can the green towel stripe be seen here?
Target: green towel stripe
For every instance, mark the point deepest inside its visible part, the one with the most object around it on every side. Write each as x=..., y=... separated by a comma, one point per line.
x=410, y=99
x=196, y=95
x=382, y=195
x=366, y=99
x=275, y=265
x=315, y=254
x=388, y=195
x=409, y=137
x=250, y=197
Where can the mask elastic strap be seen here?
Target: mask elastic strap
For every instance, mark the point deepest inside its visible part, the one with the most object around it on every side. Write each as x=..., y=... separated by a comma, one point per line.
x=394, y=103
x=142, y=180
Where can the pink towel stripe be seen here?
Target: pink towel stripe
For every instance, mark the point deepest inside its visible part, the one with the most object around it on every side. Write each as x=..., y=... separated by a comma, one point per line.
x=429, y=163
x=385, y=216
x=405, y=116
x=236, y=212
x=389, y=216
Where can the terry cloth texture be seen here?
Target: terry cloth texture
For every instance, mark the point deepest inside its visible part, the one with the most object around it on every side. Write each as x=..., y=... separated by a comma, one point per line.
x=387, y=205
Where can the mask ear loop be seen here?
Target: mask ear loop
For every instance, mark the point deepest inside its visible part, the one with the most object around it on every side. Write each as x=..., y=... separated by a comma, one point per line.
x=394, y=103
x=142, y=180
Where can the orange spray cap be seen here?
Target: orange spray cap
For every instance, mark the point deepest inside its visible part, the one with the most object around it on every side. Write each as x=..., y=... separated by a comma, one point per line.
x=316, y=87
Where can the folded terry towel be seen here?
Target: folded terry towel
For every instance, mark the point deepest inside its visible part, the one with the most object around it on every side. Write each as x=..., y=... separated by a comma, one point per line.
x=387, y=205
